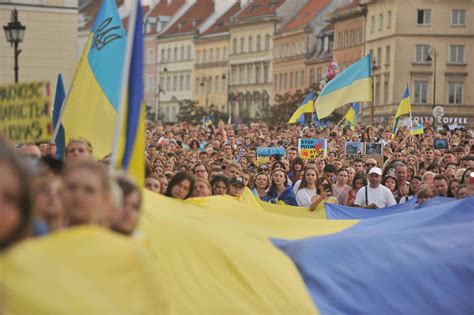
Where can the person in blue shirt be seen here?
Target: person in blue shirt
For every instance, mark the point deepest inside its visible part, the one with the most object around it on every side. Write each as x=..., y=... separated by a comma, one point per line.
x=280, y=191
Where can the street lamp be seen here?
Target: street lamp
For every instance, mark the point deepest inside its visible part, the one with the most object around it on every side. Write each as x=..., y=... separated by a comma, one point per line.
x=431, y=56
x=14, y=33
x=158, y=93
x=205, y=84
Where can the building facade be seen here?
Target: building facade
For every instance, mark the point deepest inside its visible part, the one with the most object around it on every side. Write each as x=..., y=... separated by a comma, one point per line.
x=211, y=70
x=425, y=44
x=49, y=45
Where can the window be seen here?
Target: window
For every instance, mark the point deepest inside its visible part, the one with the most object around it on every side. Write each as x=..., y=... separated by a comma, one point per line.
x=162, y=56
x=241, y=74
x=291, y=80
x=302, y=77
x=385, y=91
x=346, y=39
x=175, y=54
x=389, y=19
x=422, y=53
x=196, y=86
x=275, y=82
x=423, y=17
x=211, y=55
x=198, y=56
x=380, y=24
x=169, y=54
x=379, y=57
x=458, y=17
x=224, y=53
x=181, y=82
x=149, y=84
x=296, y=79
x=257, y=73
x=218, y=54
x=265, y=72
x=242, y=45
x=387, y=54
x=234, y=46
x=181, y=53
x=249, y=73
x=377, y=92
x=250, y=44
x=456, y=54
x=259, y=44
x=188, y=53
x=204, y=56
x=285, y=80
x=267, y=42
x=281, y=81
x=149, y=55
x=455, y=93
x=358, y=36
x=352, y=38
x=421, y=92
x=372, y=23
x=224, y=83
x=319, y=74
x=175, y=83
x=209, y=85
x=188, y=82
x=311, y=76
x=339, y=40
x=216, y=83
x=168, y=84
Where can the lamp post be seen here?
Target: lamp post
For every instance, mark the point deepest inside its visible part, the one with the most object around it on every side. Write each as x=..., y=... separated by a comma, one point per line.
x=14, y=32
x=158, y=93
x=205, y=84
x=431, y=57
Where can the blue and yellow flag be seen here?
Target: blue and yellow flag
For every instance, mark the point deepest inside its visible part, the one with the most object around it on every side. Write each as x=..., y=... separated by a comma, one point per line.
x=418, y=130
x=354, y=84
x=131, y=148
x=403, y=109
x=352, y=116
x=307, y=106
x=91, y=109
x=58, y=104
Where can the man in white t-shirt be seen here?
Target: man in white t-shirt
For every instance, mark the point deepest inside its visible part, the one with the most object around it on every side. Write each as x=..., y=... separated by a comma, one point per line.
x=374, y=195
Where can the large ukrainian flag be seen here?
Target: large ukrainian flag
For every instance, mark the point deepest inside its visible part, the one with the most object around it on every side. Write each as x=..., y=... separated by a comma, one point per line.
x=91, y=108
x=354, y=84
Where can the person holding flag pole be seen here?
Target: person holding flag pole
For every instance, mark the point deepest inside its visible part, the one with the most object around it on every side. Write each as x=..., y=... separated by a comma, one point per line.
x=403, y=109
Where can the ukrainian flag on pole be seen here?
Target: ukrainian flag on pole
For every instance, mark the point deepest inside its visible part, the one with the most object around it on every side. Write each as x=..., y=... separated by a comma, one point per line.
x=91, y=107
x=354, y=84
x=306, y=107
x=129, y=140
x=352, y=115
x=403, y=109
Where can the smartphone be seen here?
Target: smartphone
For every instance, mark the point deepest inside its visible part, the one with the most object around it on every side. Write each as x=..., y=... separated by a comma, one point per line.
x=440, y=144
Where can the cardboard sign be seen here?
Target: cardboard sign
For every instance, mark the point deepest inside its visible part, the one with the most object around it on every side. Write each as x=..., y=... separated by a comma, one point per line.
x=312, y=148
x=364, y=151
x=25, y=112
x=264, y=153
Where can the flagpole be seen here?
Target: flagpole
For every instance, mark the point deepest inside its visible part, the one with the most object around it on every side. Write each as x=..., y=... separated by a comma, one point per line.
x=340, y=122
x=124, y=89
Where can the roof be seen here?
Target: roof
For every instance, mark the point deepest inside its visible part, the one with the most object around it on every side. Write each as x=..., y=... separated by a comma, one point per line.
x=353, y=3
x=193, y=18
x=220, y=26
x=166, y=8
x=258, y=8
x=306, y=14
x=91, y=10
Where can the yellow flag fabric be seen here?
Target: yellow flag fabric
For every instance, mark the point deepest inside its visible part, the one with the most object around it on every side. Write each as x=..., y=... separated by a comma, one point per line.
x=203, y=256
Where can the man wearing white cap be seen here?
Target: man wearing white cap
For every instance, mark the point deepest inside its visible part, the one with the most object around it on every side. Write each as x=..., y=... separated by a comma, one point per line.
x=374, y=195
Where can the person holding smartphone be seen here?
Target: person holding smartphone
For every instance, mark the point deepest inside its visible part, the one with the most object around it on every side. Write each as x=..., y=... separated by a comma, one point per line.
x=318, y=201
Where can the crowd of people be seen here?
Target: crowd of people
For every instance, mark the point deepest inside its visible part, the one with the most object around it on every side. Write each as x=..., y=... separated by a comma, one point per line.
x=40, y=194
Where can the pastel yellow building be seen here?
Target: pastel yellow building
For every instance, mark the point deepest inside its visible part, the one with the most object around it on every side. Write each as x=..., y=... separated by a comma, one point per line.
x=50, y=42
x=428, y=45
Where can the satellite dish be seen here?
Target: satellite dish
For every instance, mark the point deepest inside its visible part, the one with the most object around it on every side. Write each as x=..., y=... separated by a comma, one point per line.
x=438, y=112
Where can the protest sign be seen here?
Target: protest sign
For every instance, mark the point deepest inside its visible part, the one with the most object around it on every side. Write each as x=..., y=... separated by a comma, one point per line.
x=352, y=151
x=264, y=153
x=312, y=148
x=25, y=112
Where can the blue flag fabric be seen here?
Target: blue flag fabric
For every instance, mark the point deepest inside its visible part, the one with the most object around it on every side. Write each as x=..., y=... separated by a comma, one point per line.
x=135, y=90
x=58, y=103
x=417, y=262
